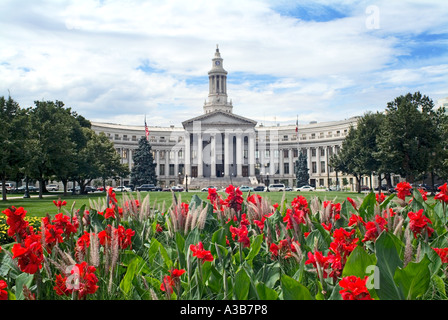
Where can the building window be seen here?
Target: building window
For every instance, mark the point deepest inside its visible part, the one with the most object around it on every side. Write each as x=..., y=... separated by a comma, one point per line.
x=267, y=153
x=286, y=168
x=171, y=170
x=276, y=154
x=296, y=153
x=245, y=154
x=134, y=138
x=171, y=155
x=313, y=167
x=322, y=152
x=181, y=154
x=285, y=153
x=313, y=152
x=124, y=154
x=257, y=154
x=161, y=169
x=322, y=167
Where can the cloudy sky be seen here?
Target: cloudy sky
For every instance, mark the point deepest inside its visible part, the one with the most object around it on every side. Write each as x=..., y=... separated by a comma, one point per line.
x=115, y=61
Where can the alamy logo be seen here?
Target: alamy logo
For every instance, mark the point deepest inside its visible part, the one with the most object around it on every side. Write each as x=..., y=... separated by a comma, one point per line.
x=373, y=282
x=373, y=18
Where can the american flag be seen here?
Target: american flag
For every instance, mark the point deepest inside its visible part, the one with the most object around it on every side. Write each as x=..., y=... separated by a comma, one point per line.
x=146, y=130
x=297, y=126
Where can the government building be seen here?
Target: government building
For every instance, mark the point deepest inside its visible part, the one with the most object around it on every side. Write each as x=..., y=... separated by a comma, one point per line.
x=218, y=147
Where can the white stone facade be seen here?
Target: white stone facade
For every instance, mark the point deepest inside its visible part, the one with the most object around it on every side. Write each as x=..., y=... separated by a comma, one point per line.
x=231, y=148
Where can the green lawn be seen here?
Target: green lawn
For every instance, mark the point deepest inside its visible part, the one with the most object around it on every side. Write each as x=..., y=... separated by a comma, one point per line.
x=40, y=207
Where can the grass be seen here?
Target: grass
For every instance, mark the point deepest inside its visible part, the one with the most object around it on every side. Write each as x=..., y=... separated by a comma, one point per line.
x=39, y=207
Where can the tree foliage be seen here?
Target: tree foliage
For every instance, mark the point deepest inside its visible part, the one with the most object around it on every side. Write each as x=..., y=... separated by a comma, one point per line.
x=144, y=170
x=301, y=171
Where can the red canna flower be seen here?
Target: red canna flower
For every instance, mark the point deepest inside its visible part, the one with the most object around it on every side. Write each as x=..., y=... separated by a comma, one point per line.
x=111, y=195
x=294, y=217
x=443, y=254
x=260, y=224
x=234, y=199
x=16, y=222
x=443, y=194
x=355, y=220
x=29, y=254
x=352, y=202
x=424, y=194
x=109, y=213
x=81, y=280
x=169, y=282
x=53, y=236
x=159, y=228
x=3, y=292
x=354, y=288
x=300, y=203
x=419, y=223
x=403, y=189
x=242, y=233
x=59, y=204
x=318, y=260
x=285, y=248
x=83, y=242
x=255, y=199
x=380, y=197
x=200, y=253
x=374, y=228
x=63, y=222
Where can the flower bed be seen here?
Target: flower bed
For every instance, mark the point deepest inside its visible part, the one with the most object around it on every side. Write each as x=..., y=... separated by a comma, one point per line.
x=231, y=248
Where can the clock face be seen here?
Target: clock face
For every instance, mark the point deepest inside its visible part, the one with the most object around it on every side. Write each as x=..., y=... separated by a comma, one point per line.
x=217, y=63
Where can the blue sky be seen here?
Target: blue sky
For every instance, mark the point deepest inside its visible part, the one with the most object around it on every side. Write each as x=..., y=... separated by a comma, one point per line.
x=115, y=61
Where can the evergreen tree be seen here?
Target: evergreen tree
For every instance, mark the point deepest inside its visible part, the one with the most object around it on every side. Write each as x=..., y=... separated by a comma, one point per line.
x=301, y=171
x=144, y=170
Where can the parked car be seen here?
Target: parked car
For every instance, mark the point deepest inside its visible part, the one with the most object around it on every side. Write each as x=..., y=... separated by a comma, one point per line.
x=121, y=189
x=260, y=188
x=306, y=188
x=425, y=187
x=288, y=189
x=177, y=188
x=130, y=186
x=89, y=189
x=9, y=187
x=333, y=188
x=246, y=189
x=30, y=189
x=209, y=187
x=277, y=187
x=365, y=188
x=147, y=187
x=52, y=187
x=100, y=189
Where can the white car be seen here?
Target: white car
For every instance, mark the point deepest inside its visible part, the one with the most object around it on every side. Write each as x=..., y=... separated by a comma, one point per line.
x=209, y=187
x=306, y=188
x=122, y=189
x=52, y=187
x=276, y=187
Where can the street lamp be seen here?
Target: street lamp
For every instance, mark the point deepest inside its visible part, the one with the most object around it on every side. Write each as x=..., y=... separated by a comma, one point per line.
x=186, y=182
x=267, y=180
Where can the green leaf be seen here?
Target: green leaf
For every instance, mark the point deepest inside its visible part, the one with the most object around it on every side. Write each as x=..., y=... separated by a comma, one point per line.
x=388, y=261
x=293, y=290
x=180, y=246
x=126, y=282
x=23, y=279
x=367, y=208
x=358, y=263
x=242, y=284
x=255, y=247
x=266, y=293
x=414, y=279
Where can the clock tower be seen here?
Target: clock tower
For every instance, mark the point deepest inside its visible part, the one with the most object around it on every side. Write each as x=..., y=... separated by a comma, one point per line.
x=217, y=95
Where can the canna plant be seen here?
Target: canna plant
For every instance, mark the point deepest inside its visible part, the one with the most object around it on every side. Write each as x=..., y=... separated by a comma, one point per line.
x=232, y=247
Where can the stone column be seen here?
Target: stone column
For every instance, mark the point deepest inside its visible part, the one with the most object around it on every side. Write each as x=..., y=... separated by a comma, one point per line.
x=167, y=163
x=176, y=163
x=239, y=156
x=271, y=162
x=130, y=159
x=281, y=165
x=199, y=157
x=226, y=155
x=318, y=161
x=213, y=156
x=251, y=152
x=187, y=159
x=157, y=163
x=291, y=163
